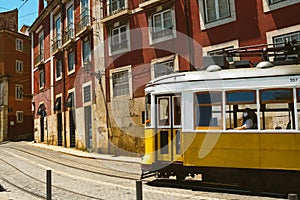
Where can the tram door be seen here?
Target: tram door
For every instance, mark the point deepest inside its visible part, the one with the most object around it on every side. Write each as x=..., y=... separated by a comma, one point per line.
x=168, y=128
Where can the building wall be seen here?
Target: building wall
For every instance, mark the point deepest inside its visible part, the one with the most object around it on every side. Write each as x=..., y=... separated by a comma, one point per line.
x=23, y=128
x=70, y=82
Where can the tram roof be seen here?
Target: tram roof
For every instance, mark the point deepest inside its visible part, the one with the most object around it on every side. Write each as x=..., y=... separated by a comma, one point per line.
x=227, y=74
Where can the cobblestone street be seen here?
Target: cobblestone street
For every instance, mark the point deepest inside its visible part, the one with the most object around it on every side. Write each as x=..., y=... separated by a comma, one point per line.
x=23, y=174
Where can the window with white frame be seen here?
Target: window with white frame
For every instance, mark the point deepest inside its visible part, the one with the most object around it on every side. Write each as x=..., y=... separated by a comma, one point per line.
x=19, y=66
x=58, y=69
x=71, y=61
x=42, y=79
x=163, y=68
x=216, y=12
x=116, y=5
x=70, y=22
x=87, y=97
x=275, y=1
x=270, y=5
x=280, y=36
x=281, y=40
x=19, y=92
x=217, y=52
x=19, y=116
x=57, y=39
x=163, y=25
x=84, y=16
x=119, y=39
x=215, y=49
x=41, y=46
x=120, y=82
x=19, y=45
x=86, y=50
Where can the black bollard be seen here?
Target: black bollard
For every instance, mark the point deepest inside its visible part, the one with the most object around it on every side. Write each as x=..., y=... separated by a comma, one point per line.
x=49, y=185
x=139, y=190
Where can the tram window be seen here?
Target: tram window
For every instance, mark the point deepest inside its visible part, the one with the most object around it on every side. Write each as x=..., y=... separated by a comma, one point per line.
x=163, y=114
x=177, y=110
x=236, y=103
x=298, y=106
x=208, y=109
x=277, y=109
x=148, y=110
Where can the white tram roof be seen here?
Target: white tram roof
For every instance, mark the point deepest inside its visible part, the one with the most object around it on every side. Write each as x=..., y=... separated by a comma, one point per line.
x=226, y=74
x=237, y=73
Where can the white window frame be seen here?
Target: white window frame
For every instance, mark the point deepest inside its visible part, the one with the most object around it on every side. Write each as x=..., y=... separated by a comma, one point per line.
x=84, y=41
x=72, y=70
x=57, y=78
x=116, y=11
x=74, y=95
x=270, y=7
x=19, y=66
x=118, y=26
x=41, y=81
x=41, y=46
x=174, y=58
x=17, y=116
x=111, y=72
x=234, y=43
x=271, y=34
x=19, y=44
x=70, y=4
x=202, y=13
x=18, y=92
x=160, y=11
x=88, y=84
x=55, y=32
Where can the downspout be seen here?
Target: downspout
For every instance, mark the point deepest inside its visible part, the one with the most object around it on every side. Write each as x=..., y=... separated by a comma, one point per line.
x=188, y=32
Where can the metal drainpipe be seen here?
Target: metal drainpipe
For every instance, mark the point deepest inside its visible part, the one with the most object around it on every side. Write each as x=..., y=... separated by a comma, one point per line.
x=64, y=98
x=188, y=32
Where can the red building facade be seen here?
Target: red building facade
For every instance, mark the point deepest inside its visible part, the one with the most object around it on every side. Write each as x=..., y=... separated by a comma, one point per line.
x=144, y=39
x=63, y=87
x=15, y=80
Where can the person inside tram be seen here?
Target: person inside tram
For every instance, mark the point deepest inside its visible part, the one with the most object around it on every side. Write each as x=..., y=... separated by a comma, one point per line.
x=249, y=120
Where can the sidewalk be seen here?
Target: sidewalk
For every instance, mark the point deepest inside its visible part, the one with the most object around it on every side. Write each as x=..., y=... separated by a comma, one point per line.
x=84, y=154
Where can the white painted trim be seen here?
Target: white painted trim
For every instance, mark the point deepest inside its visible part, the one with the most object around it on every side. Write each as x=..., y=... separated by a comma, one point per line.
x=130, y=95
x=268, y=8
x=204, y=26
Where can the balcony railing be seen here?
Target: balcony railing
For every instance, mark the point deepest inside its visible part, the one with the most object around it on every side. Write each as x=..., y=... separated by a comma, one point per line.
x=84, y=22
x=69, y=34
x=39, y=59
x=116, y=6
x=56, y=43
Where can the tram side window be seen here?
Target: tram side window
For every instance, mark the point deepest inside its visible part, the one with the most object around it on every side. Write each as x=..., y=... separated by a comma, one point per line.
x=298, y=106
x=236, y=104
x=277, y=110
x=208, y=110
x=148, y=110
x=163, y=112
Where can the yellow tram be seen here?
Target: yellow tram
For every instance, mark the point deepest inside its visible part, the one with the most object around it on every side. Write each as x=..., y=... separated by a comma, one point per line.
x=191, y=120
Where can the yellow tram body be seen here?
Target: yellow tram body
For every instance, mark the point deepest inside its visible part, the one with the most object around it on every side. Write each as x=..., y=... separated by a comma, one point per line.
x=261, y=151
x=190, y=127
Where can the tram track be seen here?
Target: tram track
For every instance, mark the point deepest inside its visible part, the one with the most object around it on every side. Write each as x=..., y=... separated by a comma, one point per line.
x=40, y=182
x=105, y=171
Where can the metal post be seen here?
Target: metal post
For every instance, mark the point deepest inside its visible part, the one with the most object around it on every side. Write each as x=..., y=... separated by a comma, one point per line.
x=293, y=197
x=48, y=185
x=139, y=190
